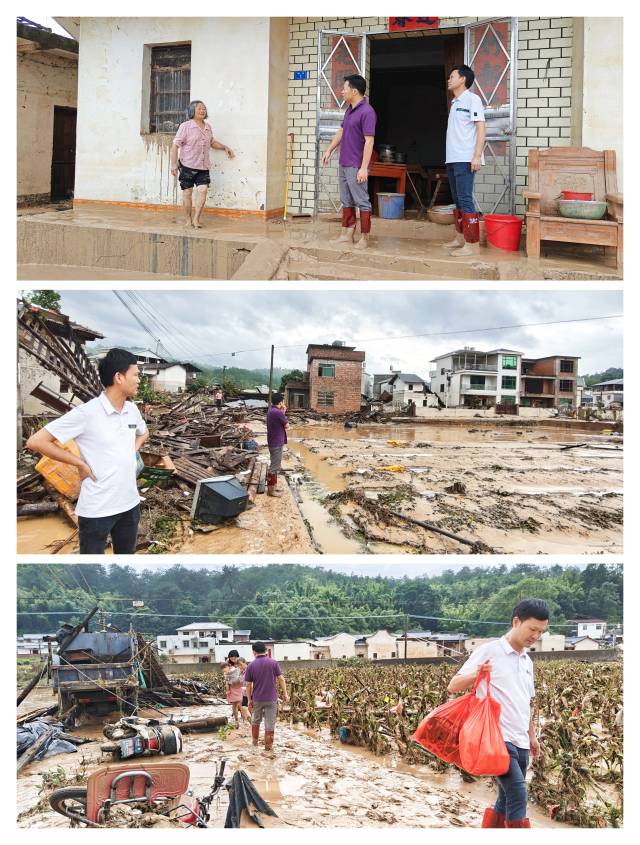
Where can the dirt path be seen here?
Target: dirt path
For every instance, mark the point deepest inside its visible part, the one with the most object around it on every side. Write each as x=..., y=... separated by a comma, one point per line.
x=518, y=490
x=312, y=781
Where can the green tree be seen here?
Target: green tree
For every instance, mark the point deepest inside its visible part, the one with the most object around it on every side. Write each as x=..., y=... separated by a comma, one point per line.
x=45, y=299
x=293, y=375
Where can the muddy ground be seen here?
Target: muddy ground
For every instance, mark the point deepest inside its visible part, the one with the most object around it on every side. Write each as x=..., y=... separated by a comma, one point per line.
x=503, y=489
x=311, y=780
x=510, y=489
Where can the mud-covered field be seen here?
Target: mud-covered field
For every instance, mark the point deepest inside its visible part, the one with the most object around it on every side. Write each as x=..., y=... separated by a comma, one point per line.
x=310, y=781
x=524, y=490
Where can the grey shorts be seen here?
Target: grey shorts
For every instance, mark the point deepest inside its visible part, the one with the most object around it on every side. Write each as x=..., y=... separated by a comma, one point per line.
x=276, y=458
x=352, y=193
x=267, y=710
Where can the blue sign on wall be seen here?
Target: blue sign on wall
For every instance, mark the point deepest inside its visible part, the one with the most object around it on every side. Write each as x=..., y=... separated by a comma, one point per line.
x=301, y=74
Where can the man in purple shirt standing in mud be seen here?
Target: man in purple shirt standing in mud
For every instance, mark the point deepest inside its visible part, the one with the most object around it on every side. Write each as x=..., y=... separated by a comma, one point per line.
x=263, y=676
x=277, y=424
x=355, y=139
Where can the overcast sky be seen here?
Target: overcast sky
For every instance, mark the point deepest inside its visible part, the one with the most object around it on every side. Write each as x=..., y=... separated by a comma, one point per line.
x=206, y=327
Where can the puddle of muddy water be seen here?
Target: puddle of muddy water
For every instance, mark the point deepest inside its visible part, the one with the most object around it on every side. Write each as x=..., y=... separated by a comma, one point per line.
x=35, y=533
x=457, y=433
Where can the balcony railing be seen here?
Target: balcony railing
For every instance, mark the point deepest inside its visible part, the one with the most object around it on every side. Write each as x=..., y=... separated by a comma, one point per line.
x=490, y=368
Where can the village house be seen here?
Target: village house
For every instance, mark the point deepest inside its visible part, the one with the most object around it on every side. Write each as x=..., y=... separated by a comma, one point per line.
x=608, y=394
x=543, y=82
x=43, y=389
x=549, y=642
x=415, y=644
x=584, y=394
x=210, y=642
x=31, y=645
x=469, y=378
x=47, y=82
x=549, y=382
x=449, y=645
x=337, y=646
x=333, y=381
x=595, y=628
x=164, y=376
x=403, y=388
x=581, y=644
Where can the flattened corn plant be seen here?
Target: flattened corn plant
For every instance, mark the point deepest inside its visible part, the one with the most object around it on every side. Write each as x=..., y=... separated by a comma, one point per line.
x=579, y=706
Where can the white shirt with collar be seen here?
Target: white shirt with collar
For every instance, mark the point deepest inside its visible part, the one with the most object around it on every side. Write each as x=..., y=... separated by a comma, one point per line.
x=462, y=132
x=106, y=439
x=511, y=684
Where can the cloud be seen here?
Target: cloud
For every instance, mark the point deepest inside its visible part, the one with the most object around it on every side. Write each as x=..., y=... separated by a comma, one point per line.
x=207, y=326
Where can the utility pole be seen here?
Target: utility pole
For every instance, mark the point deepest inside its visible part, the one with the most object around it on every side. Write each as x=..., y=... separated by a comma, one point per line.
x=271, y=375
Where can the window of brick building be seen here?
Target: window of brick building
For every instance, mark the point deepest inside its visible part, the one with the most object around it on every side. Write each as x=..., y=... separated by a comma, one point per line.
x=326, y=399
x=170, y=87
x=327, y=370
x=566, y=366
x=566, y=385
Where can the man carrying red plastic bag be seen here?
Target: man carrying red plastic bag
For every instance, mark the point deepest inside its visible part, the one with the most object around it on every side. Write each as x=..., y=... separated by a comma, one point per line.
x=511, y=685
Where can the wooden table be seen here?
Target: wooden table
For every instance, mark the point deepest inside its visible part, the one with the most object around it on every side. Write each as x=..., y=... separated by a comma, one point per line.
x=379, y=170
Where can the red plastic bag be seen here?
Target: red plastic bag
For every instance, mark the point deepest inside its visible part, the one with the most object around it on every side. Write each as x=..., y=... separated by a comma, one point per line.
x=482, y=747
x=439, y=731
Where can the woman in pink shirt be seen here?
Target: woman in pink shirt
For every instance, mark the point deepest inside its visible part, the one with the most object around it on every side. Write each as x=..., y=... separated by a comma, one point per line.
x=193, y=141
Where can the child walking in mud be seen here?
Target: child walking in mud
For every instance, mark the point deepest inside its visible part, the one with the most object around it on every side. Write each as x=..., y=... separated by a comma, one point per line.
x=234, y=677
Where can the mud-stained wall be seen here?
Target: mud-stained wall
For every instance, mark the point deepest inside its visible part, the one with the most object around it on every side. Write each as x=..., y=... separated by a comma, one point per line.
x=43, y=81
x=602, y=84
x=117, y=161
x=278, y=104
x=32, y=373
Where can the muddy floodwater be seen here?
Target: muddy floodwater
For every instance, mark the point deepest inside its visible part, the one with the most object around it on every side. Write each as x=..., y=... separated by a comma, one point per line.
x=506, y=489
x=311, y=780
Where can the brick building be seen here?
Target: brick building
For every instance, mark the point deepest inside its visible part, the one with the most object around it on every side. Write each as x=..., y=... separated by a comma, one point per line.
x=549, y=382
x=333, y=381
x=543, y=81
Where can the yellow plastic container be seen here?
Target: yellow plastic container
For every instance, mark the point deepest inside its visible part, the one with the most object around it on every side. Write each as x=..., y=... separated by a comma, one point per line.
x=64, y=477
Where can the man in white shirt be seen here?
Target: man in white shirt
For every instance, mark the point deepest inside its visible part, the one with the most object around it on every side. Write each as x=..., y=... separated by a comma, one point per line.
x=513, y=687
x=466, y=133
x=108, y=431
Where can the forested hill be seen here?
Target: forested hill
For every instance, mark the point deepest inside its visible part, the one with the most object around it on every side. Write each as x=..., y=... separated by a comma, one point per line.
x=291, y=601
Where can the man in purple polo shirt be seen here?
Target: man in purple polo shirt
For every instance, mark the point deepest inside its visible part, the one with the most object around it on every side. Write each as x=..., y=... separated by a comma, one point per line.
x=261, y=678
x=355, y=139
x=277, y=424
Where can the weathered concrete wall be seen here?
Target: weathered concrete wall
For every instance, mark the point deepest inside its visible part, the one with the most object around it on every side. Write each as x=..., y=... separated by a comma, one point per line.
x=118, y=161
x=277, y=117
x=45, y=242
x=43, y=81
x=599, y=656
x=32, y=373
x=602, y=126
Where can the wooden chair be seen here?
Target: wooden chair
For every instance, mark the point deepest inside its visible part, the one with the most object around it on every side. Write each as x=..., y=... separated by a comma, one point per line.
x=558, y=169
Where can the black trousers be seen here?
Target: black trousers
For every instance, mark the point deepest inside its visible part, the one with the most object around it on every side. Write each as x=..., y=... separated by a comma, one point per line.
x=95, y=531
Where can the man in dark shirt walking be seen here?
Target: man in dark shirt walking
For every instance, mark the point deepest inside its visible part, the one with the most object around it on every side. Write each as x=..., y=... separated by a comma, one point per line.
x=355, y=139
x=277, y=424
x=262, y=678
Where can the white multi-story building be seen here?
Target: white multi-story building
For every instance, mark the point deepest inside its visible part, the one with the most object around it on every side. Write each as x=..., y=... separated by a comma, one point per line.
x=594, y=628
x=469, y=378
x=608, y=393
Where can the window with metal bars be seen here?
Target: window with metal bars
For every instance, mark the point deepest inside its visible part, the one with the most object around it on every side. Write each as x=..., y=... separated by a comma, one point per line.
x=170, y=87
x=325, y=398
x=566, y=386
x=327, y=370
x=566, y=366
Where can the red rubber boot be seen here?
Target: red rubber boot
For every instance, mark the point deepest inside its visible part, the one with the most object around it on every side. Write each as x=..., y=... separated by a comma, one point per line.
x=255, y=733
x=458, y=240
x=471, y=232
x=518, y=823
x=268, y=740
x=492, y=819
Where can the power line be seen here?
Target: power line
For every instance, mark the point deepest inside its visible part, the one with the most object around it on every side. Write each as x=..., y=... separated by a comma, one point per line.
x=365, y=614
x=159, y=318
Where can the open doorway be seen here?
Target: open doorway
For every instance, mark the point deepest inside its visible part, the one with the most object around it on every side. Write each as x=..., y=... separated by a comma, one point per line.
x=408, y=90
x=63, y=159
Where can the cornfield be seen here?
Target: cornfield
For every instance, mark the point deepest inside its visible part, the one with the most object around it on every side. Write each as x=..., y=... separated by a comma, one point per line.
x=577, y=780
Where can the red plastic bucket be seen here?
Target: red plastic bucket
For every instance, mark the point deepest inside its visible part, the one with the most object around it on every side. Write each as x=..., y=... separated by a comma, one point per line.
x=576, y=195
x=504, y=231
